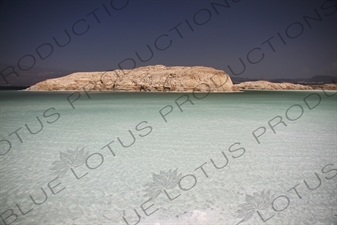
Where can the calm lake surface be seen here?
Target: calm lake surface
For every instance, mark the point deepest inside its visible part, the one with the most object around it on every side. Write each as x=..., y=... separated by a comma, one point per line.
x=256, y=157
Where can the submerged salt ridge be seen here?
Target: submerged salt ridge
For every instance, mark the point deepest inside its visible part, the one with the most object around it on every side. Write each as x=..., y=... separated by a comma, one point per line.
x=305, y=145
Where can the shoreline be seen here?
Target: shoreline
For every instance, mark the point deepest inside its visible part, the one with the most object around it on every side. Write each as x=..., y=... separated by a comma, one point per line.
x=171, y=92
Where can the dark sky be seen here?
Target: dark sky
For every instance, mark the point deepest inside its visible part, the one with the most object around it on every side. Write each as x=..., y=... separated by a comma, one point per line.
x=273, y=38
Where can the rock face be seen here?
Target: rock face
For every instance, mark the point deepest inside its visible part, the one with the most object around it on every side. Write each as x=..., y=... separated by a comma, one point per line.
x=266, y=85
x=324, y=87
x=157, y=78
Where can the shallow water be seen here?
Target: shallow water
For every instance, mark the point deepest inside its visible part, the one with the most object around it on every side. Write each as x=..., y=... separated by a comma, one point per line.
x=209, y=140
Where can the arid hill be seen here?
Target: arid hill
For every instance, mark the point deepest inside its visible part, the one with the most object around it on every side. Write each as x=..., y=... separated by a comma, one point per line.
x=156, y=78
x=160, y=78
x=267, y=85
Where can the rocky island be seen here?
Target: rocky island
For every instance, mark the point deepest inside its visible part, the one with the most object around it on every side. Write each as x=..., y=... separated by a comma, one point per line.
x=160, y=78
x=156, y=78
x=266, y=85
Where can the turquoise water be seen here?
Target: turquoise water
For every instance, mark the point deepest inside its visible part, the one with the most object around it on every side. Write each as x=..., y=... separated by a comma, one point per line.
x=197, y=154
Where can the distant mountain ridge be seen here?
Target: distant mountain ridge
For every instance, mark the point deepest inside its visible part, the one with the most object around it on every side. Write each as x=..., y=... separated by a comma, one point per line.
x=318, y=79
x=29, y=77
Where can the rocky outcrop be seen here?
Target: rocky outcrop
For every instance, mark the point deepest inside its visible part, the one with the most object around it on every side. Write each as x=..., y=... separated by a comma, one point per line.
x=324, y=86
x=266, y=85
x=157, y=78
